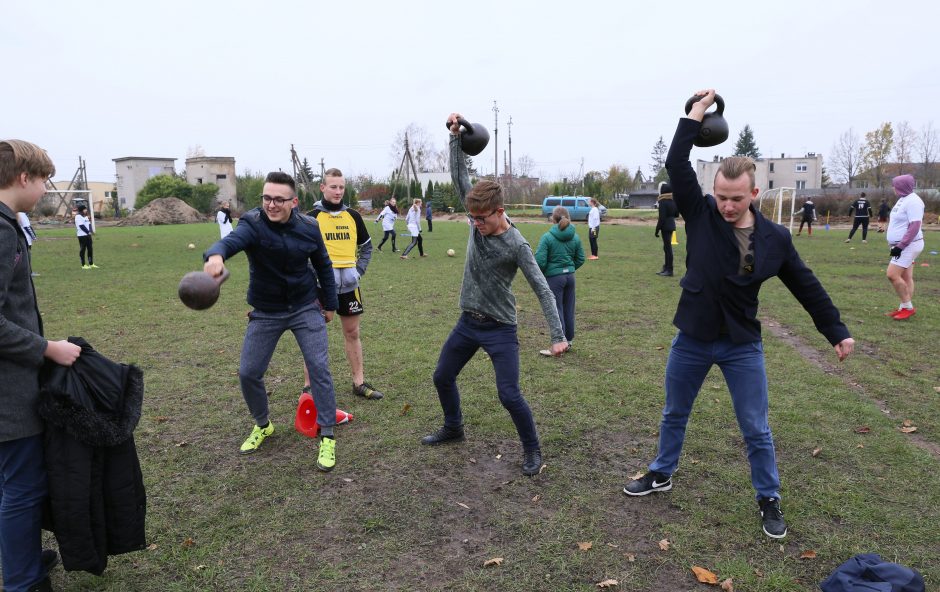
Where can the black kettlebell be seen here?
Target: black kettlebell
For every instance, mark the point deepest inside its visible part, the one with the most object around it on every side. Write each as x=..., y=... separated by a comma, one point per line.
x=473, y=138
x=198, y=290
x=714, y=126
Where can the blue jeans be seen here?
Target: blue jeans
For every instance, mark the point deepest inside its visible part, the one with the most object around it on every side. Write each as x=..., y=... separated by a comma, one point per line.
x=500, y=342
x=562, y=287
x=743, y=367
x=261, y=337
x=22, y=493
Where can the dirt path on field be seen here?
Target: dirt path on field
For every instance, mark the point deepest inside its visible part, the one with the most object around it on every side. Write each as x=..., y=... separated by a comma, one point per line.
x=824, y=363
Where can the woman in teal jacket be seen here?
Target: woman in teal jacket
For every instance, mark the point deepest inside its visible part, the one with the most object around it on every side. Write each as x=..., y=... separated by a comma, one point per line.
x=559, y=254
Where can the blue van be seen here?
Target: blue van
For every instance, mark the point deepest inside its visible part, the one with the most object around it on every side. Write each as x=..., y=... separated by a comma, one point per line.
x=578, y=206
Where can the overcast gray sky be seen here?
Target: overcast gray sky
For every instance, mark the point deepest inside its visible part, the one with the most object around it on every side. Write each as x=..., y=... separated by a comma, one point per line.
x=594, y=80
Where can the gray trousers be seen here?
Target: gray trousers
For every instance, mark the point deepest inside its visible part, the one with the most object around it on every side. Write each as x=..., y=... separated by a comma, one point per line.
x=261, y=337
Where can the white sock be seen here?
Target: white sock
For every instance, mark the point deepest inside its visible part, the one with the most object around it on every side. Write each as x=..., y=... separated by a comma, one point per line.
x=907, y=304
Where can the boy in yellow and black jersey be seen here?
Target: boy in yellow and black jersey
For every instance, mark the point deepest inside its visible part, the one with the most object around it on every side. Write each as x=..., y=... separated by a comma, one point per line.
x=350, y=248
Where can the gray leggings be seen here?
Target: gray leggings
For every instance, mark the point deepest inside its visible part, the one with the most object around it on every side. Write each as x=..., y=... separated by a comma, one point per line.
x=261, y=337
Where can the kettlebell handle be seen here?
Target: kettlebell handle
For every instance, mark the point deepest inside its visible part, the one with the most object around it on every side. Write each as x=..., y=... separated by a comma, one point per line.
x=463, y=122
x=221, y=279
x=719, y=104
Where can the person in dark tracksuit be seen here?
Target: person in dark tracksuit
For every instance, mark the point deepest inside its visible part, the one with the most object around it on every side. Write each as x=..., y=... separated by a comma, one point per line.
x=862, y=209
x=809, y=216
x=666, y=225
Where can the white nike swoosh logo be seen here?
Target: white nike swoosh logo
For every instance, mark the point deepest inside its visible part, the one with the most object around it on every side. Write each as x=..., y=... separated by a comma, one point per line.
x=655, y=484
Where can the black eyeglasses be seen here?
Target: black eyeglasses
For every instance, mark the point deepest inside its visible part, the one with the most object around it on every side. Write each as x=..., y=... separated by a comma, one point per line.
x=481, y=219
x=278, y=201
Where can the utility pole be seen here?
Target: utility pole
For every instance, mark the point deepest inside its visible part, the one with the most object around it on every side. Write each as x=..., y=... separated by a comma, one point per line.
x=509, y=125
x=322, y=169
x=495, y=142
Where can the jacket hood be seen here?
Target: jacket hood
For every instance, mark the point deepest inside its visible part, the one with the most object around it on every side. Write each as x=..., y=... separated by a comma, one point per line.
x=563, y=235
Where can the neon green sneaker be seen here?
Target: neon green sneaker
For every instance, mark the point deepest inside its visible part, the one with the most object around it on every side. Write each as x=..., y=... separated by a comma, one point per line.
x=326, y=460
x=256, y=438
x=86, y=266
x=93, y=266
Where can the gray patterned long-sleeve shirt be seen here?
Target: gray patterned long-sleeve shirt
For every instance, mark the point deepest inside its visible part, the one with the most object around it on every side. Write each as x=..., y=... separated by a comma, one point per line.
x=492, y=262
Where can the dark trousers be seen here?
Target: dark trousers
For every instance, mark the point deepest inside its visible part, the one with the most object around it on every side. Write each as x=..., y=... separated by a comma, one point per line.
x=667, y=249
x=809, y=225
x=863, y=222
x=85, y=244
x=430, y=226
x=22, y=493
x=415, y=240
x=388, y=233
x=501, y=343
x=592, y=236
x=563, y=286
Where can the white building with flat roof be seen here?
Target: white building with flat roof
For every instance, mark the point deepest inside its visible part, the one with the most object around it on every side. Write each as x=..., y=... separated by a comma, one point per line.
x=802, y=172
x=132, y=172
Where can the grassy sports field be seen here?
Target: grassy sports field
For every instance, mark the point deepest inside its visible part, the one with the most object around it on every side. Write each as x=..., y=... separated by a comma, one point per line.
x=395, y=515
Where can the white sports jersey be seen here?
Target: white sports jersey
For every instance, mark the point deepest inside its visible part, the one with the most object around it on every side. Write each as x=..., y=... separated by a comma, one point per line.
x=909, y=208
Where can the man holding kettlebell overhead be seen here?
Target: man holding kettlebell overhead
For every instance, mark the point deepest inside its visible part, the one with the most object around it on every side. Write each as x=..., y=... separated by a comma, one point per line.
x=731, y=249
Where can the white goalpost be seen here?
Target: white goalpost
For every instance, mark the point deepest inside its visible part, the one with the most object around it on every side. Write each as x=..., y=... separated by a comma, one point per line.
x=772, y=204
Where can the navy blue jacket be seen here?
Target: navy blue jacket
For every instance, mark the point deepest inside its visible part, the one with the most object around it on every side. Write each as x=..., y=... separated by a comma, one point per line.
x=279, y=259
x=715, y=298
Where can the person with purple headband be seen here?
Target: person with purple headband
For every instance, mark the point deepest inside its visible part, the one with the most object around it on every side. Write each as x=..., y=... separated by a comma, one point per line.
x=907, y=241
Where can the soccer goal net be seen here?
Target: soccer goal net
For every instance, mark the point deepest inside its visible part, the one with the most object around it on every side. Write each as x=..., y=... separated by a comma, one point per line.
x=778, y=205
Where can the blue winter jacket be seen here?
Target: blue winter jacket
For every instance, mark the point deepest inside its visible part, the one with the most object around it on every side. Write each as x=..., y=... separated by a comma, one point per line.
x=280, y=278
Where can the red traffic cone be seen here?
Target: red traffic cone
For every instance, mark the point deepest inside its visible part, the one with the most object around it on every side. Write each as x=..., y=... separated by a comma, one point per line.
x=305, y=421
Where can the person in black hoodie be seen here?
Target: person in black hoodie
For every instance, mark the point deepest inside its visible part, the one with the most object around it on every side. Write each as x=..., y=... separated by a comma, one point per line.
x=666, y=225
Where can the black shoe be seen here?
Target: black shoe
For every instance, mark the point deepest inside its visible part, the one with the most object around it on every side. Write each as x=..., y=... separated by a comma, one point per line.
x=665, y=273
x=532, y=462
x=772, y=517
x=49, y=559
x=648, y=483
x=444, y=435
x=379, y=248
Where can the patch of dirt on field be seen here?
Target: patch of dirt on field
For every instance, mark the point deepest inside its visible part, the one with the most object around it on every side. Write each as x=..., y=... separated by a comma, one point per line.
x=465, y=503
x=165, y=210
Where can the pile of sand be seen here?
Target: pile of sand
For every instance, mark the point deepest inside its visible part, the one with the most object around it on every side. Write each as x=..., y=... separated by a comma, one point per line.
x=165, y=210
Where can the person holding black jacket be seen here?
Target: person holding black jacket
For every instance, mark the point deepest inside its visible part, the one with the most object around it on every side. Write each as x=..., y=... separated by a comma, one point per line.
x=24, y=168
x=666, y=225
x=862, y=209
x=731, y=250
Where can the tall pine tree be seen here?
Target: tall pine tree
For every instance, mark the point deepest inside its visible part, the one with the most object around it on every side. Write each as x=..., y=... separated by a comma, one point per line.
x=746, y=146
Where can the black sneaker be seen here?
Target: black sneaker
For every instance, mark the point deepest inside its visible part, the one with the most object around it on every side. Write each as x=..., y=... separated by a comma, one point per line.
x=532, y=462
x=444, y=435
x=648, y=483
x=367, y=390
x=772, y=517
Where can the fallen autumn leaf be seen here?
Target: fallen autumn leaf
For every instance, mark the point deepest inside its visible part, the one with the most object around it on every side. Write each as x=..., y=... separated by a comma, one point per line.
x=727, y=585
x=808, y=554
x=665, y=544
x=704, y=576
x=585, y=546
x=609, y=583
x=494, y=561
